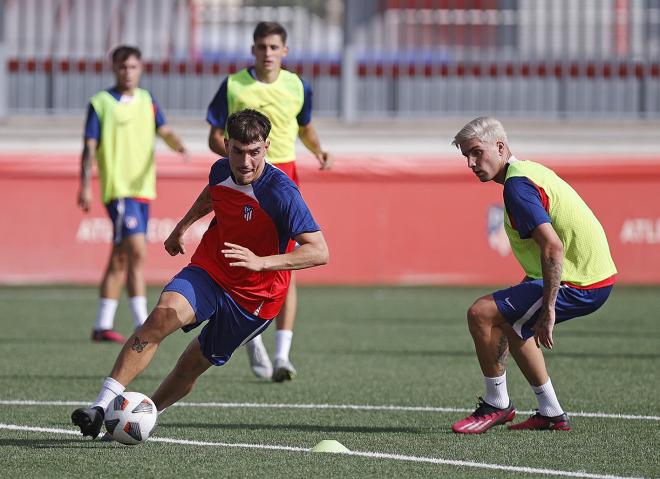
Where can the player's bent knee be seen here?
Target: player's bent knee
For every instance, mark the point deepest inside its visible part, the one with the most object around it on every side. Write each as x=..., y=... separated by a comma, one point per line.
x=191, y=364
x=160, y=323
x=480, y=316
x=473, y=319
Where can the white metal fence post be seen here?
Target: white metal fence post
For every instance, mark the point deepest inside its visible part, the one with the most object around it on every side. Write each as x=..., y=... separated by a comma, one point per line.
x=4, y=82
x=349, y=73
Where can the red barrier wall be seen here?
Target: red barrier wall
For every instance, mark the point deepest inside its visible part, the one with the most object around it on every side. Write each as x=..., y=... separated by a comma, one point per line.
x=425, y=221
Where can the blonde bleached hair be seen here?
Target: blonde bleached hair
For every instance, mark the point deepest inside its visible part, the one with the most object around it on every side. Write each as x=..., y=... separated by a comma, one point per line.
x=485, y=129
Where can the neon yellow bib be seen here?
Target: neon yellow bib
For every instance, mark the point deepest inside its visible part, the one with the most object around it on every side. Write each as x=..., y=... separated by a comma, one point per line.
x=280, y=101
x=587, y=258
x=125, y=155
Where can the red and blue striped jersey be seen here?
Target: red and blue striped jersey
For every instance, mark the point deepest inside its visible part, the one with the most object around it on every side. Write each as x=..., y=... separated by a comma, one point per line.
x=263, y=217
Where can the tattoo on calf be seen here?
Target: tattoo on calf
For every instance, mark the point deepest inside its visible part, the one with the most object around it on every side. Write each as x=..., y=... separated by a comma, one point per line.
x=138, y=345
x=502, y=351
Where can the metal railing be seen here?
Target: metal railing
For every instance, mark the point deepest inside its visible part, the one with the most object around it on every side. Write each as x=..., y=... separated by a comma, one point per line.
x=546, y=58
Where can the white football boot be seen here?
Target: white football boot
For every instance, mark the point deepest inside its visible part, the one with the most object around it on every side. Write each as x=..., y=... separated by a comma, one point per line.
x=259, y=361
x=283, y=370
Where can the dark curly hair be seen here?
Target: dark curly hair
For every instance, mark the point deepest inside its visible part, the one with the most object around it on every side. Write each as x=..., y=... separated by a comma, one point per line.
x=248, y=126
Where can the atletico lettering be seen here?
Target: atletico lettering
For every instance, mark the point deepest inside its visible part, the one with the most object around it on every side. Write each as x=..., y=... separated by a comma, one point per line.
x=641, y=231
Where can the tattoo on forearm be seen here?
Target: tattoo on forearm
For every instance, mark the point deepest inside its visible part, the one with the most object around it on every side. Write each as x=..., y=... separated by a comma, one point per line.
x=552, y=269
x=201, y=207
x=138, y=346
x=202, y=210
x=85, y=174
x=86, y=165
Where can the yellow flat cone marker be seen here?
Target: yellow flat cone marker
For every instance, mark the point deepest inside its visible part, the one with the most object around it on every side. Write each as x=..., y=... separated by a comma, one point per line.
x=329, y=445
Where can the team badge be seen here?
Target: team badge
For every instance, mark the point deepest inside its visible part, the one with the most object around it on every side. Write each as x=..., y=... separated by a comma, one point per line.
x=497, y=238
x=131, y=222
x=247, y=212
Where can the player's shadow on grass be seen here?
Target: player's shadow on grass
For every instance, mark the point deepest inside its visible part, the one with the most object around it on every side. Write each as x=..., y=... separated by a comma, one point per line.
x=51, y=443
x=600, y=333
x=470, y=353
x=294, y=427
x=73, y=377
x=38, y=340
x=614, y=355
x=403, y=352
x=63, y=377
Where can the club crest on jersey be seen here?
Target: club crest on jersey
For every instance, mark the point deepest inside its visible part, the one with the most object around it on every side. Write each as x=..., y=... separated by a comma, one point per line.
x=247, y=212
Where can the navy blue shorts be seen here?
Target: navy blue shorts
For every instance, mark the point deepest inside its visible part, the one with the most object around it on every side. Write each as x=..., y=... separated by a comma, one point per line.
x=129, y=216
x=229, y=326
x=520, y=304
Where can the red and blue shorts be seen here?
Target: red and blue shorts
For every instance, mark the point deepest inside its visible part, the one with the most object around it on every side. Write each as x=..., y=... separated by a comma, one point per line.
x=129, y=216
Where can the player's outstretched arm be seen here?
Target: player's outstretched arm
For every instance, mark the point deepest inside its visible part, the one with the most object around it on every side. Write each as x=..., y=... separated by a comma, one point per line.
x=173, y=141
x=552, y=261
x=85, y=191
x=203, y=205
x=313, y=251
x=310, y=139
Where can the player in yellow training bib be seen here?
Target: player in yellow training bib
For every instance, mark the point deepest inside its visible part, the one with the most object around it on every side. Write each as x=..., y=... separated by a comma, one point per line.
x=121, y=126
x=569, y=272
x=287, y=102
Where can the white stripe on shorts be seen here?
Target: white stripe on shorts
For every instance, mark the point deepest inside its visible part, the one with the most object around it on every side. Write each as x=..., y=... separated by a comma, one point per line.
x=119, y=221
x=518, y=325
x=256, y=333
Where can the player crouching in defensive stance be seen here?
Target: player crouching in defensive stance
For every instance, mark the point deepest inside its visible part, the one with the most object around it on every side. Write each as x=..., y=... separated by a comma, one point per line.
x=569, y=272
x=238, y=277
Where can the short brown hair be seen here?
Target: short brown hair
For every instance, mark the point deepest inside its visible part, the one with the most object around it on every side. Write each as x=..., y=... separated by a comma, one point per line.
x=264, y=29
x=248, y=126
x=123, y=52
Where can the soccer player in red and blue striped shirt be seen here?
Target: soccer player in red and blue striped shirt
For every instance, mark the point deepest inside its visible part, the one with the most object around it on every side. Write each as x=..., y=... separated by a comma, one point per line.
x=238, y=277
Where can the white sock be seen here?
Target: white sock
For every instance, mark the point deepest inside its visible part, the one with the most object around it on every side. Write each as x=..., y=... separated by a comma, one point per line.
x=255, y=343
x=496, y=391
x=283, y=339
x=139, y=309
x=548, y=403
x=109, y=390
x=105, y=315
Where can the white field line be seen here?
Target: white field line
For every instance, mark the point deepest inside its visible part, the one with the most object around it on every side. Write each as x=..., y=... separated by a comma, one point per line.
x=354, y=407
x=374, y=455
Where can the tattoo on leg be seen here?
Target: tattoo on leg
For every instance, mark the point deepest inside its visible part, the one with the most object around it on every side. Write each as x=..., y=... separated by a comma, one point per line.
x=138, y=345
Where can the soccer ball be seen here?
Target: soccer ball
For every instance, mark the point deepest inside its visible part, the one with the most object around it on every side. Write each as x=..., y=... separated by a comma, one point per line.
x=130, y=418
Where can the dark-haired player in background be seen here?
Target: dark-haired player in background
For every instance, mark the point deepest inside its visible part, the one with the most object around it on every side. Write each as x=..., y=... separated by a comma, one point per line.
x=121, y=126
x=287, y=101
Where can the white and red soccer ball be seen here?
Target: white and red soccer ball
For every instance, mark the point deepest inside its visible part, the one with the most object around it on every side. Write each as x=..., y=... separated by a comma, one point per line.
x=130, y=418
